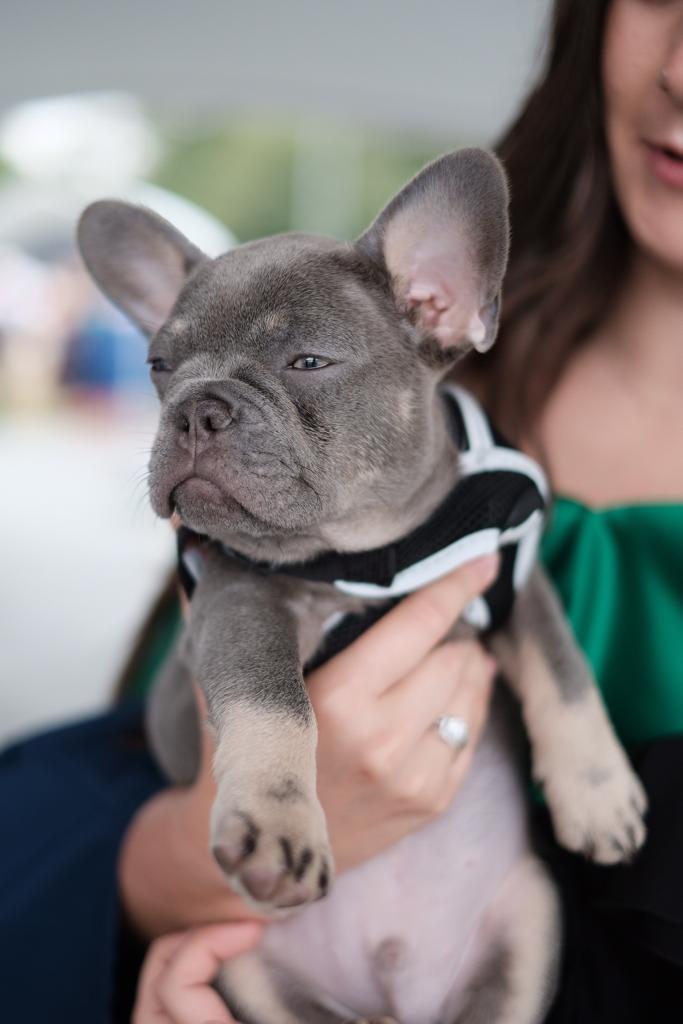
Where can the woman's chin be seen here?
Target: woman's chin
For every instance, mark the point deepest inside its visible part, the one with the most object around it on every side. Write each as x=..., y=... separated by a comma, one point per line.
x=656, y=227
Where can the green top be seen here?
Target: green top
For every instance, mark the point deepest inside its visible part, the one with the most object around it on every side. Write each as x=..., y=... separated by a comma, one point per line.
x=619, y=572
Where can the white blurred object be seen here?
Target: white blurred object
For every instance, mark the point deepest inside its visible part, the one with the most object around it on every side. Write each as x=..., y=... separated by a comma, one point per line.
x=81, y=551
x=25, y=290
x=66, y=151
x=39, y=304
x=82, y=556
x=80, y=141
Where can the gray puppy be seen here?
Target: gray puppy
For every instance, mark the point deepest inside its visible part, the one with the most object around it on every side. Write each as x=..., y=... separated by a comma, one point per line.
x=302, y=412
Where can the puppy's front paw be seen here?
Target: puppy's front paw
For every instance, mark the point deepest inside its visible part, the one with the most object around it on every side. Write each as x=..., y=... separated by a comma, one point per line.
x=597, y=802
x=276, y=855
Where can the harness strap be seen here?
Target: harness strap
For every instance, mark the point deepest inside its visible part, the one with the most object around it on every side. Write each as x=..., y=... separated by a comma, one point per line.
x=497, y=504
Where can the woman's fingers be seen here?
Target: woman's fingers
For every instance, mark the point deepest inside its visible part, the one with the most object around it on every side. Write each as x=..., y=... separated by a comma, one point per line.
x=472, y=704
x=148, y=1009
x=470, y=701
x=412, y=704
x=175, y=984
x=406, y=754
x=402, y=637
x=184, y=987
x=433, y=771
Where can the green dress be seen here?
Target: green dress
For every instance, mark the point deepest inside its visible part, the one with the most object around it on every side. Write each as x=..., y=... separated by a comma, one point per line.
x=619, y=572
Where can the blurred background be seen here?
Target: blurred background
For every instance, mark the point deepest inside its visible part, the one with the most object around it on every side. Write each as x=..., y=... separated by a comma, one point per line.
x=233, y=119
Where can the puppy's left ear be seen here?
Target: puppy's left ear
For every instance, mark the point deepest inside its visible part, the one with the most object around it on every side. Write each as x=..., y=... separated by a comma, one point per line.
x=139, y=260
x=444, y=241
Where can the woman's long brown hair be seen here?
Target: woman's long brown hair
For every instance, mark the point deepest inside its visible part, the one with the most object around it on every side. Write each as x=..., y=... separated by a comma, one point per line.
x=155, y=632
x=569, y=242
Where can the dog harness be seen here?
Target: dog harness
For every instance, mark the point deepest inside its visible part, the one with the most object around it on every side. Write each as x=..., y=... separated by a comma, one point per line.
x=496, y=504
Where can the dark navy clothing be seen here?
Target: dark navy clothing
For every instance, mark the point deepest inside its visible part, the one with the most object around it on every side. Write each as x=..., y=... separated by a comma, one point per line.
x=66, y=798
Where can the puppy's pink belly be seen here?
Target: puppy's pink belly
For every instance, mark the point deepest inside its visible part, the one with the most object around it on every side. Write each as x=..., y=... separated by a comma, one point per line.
x=399, y=933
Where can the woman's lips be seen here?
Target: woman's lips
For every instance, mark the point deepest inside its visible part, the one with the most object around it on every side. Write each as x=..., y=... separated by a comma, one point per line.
x=666, y=164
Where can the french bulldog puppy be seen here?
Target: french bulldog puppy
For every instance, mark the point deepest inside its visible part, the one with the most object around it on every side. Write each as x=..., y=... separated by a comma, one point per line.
x=302, y=412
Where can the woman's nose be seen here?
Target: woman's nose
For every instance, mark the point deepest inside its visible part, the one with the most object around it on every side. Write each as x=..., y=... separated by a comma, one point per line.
x=671, y=74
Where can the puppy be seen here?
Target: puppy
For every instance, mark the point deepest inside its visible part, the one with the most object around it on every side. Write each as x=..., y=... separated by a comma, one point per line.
x=303, y=414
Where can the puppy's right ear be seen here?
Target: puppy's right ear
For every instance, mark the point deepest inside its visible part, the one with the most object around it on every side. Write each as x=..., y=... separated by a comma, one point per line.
x=137, y=258
x=443, y=240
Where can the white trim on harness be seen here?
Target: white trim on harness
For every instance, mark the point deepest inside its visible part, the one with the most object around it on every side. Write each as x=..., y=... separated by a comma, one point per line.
x=484, y=455
x=433, y=567
x=474, y=545
x=477, y=429
x=492, y=459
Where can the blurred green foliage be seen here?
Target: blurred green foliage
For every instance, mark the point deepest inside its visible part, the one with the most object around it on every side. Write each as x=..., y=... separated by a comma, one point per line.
x=261, y=176
x=241, y=173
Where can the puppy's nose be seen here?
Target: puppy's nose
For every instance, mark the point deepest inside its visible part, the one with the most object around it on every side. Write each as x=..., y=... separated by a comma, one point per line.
x=199, y=422
x=212, y=416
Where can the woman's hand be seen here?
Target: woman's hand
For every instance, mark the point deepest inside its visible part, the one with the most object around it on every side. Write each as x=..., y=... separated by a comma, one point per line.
x=175, y=983
x=383, y=770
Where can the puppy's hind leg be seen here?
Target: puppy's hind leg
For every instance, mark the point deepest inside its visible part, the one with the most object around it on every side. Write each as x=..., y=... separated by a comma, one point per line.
x=517, y=981
x=596, y=801
x=172, y=721
x=256, y=995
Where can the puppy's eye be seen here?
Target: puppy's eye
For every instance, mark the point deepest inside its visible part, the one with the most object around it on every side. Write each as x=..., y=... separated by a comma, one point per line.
x=158, y=365
x=309, y=363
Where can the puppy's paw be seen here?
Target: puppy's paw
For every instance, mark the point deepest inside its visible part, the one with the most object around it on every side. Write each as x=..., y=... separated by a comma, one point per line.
x=275, y=854
x=597, y=806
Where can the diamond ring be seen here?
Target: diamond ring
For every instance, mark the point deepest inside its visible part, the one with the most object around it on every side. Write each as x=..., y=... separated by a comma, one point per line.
x=453, y=730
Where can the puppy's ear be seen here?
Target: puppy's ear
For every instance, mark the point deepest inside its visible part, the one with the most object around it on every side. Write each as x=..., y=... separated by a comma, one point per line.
x=444, y=242
x=137, y=258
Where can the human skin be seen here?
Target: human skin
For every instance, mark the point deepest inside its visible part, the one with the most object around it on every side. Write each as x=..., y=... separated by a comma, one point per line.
x=175, y=982
x=618, y=403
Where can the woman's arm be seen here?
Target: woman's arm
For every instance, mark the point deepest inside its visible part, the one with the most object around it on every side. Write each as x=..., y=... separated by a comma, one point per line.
x=382, y=770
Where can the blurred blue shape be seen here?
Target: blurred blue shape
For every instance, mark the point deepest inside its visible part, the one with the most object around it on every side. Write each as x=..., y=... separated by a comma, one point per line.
x=107, y=354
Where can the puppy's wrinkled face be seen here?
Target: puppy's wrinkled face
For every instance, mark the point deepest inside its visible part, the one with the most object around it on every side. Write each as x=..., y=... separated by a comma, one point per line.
x=298, y=375
x=278, y=410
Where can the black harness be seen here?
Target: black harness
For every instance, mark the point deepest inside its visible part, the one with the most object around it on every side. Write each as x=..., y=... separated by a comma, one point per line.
x=497, y=504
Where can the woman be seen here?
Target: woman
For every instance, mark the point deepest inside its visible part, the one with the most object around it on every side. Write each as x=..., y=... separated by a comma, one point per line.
x=588, y=376
x=594, y=309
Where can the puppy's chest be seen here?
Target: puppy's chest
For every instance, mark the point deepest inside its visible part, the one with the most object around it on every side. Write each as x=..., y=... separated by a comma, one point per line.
x=403, y=932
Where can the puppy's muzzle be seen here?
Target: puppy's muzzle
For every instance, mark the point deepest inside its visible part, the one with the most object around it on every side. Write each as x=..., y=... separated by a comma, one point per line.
x=198, y=423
